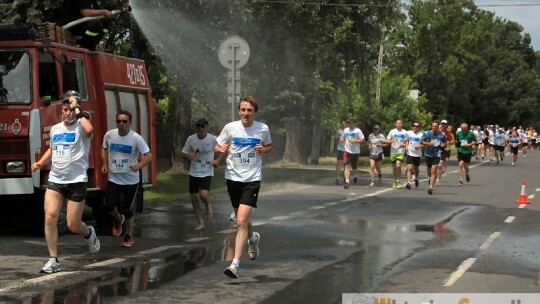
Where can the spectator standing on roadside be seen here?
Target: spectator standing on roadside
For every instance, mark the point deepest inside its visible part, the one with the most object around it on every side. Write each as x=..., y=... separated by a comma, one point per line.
x=120, y=154
x=376, y=143
x=245, y=140
x=396, y=138
x=68, y=153
x=339, y=150
x=352, y=137
x=199, y=150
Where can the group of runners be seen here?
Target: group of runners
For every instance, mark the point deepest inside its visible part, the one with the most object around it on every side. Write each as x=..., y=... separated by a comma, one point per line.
x=433, y=144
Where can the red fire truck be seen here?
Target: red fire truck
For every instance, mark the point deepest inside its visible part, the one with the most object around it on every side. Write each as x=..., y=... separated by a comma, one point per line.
x=36, y=67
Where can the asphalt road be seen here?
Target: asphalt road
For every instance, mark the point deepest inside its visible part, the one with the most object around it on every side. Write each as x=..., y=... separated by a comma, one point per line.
x=317, y=242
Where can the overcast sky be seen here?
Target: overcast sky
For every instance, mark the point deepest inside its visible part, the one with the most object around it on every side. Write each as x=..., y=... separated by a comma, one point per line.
x=517, y=10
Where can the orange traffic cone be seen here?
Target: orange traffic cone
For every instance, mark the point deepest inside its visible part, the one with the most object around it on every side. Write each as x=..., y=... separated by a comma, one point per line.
x=523, y=197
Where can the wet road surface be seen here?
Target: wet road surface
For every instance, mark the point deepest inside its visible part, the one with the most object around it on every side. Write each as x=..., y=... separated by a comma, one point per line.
x=317, y=242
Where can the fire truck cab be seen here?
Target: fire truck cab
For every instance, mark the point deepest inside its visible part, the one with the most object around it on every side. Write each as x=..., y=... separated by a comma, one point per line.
x=35, y=72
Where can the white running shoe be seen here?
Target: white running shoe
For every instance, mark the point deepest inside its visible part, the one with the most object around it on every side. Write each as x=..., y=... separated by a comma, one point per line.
x=93, y=242
x=51, y=266
x=231, y=271
x=253, y=247
x=232, y=217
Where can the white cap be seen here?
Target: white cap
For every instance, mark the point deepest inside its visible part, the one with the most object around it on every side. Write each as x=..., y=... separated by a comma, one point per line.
x=444, y=121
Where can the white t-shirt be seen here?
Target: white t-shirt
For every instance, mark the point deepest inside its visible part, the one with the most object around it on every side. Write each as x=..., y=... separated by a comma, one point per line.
x=201, y=166
x=398, y=137
x=353, y=148
x=243, y=164
x=479, y=134
x=70, y=149
x=415, y=139
x=124, y=152
x=374, y=140
x=340, y=144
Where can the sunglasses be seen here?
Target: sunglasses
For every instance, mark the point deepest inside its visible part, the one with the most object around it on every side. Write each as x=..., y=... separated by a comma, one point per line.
x=122, y=121
x=201, y=126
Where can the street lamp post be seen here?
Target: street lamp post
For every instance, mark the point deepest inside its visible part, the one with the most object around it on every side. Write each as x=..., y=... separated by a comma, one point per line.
x=379, y=68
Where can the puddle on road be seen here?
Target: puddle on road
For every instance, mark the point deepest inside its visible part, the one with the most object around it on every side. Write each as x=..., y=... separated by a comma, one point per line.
x=143, y=275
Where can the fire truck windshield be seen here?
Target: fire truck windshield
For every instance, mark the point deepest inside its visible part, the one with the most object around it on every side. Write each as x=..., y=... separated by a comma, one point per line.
x=15, y=85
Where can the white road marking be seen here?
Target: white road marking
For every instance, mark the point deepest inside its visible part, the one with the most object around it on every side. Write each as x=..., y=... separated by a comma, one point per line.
x=40, y=279
x=485, y=245
x=459, y=272
x=106, y=262
x=282, y=218
x=509, y=219
x=317, y=207
x=226, y=231
x=537, y=190
x=197, y=239
x=158, y=249
x=530, y=196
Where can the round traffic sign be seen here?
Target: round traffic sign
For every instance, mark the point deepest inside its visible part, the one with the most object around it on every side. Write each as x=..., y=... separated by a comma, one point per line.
x=233, y=49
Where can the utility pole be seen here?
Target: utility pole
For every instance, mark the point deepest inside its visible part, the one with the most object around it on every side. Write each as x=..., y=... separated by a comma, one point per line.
x=379, y=68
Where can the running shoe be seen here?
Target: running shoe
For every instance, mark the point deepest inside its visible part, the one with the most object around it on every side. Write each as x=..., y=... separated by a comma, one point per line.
x=394, y=185
x=430, y=191
x=346, y=185
x=51, y=266
x=231, y=271
x=460, y=183
x=467, y=178
x=408, y=186
x=253, y=247
x=128, y=241
x=93, y=242
x=355, y=179
x=398, y=185
x=338, y=181
x=512, y=163
x=232, y=217
x=372, y=184
x=437, y=182
x=117, y=228
x=416, y=182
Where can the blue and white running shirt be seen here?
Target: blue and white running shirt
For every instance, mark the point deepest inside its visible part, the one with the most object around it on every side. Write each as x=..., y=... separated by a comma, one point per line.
x=124, y=152
x=70, y=148
x=243, y=164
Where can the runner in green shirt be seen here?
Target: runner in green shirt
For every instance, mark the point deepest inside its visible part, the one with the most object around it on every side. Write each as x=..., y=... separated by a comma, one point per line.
x=465, y=140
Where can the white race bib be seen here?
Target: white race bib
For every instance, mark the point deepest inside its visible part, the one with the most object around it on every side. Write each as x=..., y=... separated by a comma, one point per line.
x=245, y=160
x=120, y=165
x=464, y=142
x=436, y=142
x=61, y=152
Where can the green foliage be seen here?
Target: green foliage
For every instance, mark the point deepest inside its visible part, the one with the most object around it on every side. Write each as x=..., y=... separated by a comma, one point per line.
x=173, y=186
x=312, y=62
